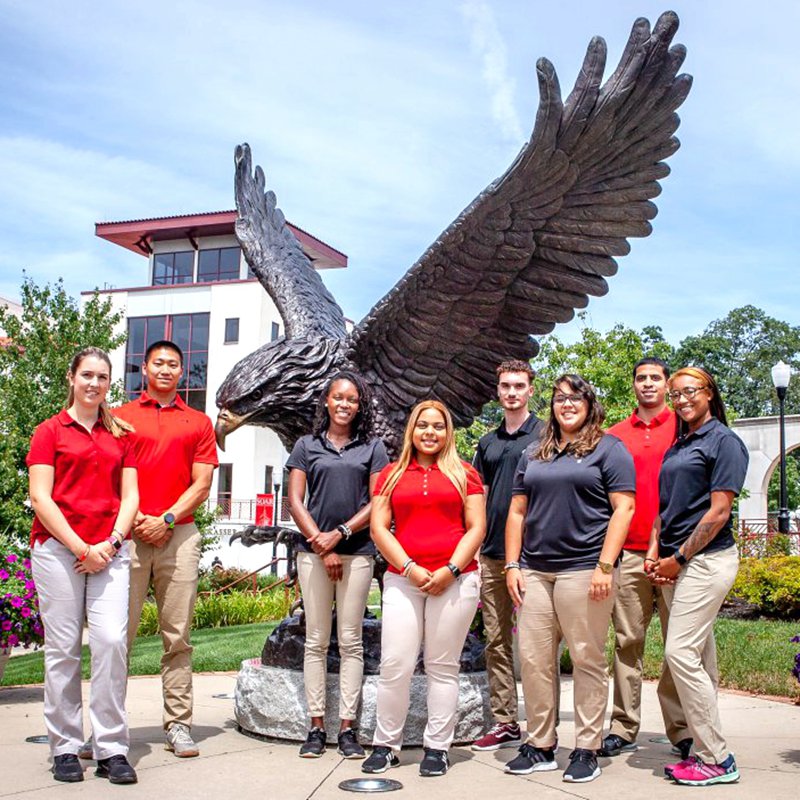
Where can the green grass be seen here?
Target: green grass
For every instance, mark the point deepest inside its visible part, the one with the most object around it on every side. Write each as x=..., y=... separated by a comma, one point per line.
x=215, y=650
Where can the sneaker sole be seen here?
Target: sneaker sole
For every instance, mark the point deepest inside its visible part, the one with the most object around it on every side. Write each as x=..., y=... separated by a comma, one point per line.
x=492, y=747
x=311, y=755
x=628, y=748
x=731, y=777
x=380, y=769
x=185, y=754
x=352, y=756
x=548, y=766
x=118, y=781
x=428, y=774
x=68, y=778
x=595, y=774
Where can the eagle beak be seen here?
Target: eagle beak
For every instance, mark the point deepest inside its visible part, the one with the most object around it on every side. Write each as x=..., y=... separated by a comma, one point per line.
x=227, y=422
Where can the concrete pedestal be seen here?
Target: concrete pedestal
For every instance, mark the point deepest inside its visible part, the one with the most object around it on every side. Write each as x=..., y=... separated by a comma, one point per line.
x=270, y=701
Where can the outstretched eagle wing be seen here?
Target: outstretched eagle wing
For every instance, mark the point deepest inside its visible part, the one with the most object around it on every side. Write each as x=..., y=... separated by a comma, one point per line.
x=536, y=242
x=275, y=256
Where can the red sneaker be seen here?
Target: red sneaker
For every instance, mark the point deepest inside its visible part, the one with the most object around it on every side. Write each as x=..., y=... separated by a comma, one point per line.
x=502, y=734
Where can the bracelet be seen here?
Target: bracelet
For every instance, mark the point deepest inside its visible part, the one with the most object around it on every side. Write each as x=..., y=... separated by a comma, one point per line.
x=406, y=563
x=85, y=553
x=119, y=533
x=651, y=559
x=408, y=567
x=454, y=569
x=511, y=565
x=345, y=530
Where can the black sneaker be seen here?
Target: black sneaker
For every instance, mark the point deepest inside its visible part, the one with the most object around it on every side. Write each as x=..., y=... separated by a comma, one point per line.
x=434, y=762
x=116, y=769
x=380, y=759
x=67, y=768
x=582, y=766
x=532, y=759
x=314, y=745
x=613, y=745
x=349, y=746
x=683, y=748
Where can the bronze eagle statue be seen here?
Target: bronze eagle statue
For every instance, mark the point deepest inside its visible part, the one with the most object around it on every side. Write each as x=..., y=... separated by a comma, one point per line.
x=520, y=258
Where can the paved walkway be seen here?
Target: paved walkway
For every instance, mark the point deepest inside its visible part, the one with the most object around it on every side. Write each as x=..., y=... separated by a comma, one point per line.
x=764, y=734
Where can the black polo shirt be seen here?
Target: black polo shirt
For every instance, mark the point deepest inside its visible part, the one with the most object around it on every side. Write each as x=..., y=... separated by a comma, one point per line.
x=712, y=459
x=337, y=484
x=496, y=460
x=568, y=505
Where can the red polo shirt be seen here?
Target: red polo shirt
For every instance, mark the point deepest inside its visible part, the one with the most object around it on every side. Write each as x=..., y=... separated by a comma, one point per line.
x=428, y=513
x=168, y=441
x=87, y=474
x=647, y=442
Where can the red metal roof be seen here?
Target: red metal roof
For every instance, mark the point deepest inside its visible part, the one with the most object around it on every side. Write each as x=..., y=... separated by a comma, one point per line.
x=137, y=234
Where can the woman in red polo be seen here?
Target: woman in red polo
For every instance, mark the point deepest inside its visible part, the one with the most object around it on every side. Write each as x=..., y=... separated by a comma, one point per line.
x=84, y=493
x=430, y=592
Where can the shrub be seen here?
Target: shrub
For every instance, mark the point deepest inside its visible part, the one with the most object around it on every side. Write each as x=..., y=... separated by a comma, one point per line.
x=772, y=584
x=222, y=610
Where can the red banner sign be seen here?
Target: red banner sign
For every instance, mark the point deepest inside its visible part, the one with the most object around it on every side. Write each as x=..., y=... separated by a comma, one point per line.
x=265, y=509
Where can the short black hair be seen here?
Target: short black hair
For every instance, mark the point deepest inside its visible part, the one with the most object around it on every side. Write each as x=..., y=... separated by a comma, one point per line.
x=658, y=362
x=166, y=344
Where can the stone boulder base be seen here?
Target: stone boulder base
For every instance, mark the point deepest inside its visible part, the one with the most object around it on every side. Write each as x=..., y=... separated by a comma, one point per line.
x=270, y=702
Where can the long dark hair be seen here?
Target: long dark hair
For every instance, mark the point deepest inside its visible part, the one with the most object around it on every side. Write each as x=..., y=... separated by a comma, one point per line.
x=362, y=422
x=591, y=432
x=114, y=425
x=715, y=405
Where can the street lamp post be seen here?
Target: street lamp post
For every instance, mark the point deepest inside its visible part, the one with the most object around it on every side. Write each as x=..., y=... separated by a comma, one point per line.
x=781, y=373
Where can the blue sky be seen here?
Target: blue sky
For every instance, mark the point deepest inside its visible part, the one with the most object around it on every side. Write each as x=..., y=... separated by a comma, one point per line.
x=376, y=123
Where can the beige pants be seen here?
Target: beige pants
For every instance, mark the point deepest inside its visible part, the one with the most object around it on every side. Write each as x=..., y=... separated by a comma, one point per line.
x=411, y=617
x=693, y=603
x=498, y=608
x=633, y=610
x=556, y=604
x=173, y=569
x=350, y=593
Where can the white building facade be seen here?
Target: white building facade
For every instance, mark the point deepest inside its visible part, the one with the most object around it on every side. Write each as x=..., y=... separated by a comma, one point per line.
x=199, y=293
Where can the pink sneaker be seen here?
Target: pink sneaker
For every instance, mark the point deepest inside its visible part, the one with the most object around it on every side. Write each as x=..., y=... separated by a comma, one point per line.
x=670, y=768
x=698, y=773
x=502, y=734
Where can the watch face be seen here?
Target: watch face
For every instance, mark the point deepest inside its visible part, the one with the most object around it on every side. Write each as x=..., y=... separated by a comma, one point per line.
x=169, y=518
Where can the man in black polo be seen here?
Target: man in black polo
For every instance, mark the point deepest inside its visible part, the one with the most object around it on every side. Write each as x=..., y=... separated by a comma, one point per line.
x=496, y=460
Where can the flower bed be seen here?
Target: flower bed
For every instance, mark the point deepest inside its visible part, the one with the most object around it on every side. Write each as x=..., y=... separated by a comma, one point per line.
x=20, y=623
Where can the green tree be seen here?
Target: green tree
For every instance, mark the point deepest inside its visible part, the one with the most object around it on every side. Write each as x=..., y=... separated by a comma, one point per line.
x=604, y=359
x=792, y=484
x=33, y=368
x=739, y=351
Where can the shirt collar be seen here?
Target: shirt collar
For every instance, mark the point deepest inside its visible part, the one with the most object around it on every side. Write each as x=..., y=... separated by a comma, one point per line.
x=415, y=465
x=65, y=419
x=177, y=402
x=329, y=445
x=660, y=419
x=704, y=429
x=527, y=427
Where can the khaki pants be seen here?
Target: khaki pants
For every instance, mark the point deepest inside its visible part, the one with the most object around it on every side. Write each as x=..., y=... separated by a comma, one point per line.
x=173, y=569
x=693, y=603
x=411, y=617
x=350, y=593
x=633, y=609
x=65, y=598
x=556, y=604
x=498, y=608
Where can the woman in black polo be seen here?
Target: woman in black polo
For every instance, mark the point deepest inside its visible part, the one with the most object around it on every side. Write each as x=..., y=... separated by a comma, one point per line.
x=336, y=466
x=693, y=554
x=572, y=503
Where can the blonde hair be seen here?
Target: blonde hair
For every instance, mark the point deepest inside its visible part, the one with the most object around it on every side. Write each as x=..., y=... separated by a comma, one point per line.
x=115, y=426
x=448, y=461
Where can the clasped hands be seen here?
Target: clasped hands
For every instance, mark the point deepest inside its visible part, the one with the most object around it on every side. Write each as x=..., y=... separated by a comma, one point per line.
x=432, y=583
x=151, y=529
x=662, y=571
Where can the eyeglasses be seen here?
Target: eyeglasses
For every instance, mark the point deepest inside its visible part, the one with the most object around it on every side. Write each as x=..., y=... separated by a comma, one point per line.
x=689, y=392
x=572, y=399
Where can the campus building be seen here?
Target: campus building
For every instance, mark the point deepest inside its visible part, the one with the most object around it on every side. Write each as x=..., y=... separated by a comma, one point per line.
x=198, y=291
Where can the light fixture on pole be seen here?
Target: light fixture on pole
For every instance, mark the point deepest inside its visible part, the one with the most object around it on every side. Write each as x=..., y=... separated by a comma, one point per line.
x=781, y=374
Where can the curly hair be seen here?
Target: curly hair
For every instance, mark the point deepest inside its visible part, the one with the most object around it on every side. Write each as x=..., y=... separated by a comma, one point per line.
x=515, y=365
x=362, y=422
x=715, y=404
x=590, y=433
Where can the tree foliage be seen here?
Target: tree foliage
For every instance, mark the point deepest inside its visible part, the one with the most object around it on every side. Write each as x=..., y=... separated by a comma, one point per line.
x=739, y=351
x=33, y=368
x=604, y=359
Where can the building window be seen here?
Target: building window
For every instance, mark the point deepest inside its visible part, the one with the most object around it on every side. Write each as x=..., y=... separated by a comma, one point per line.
x=276, y=331
x=225, y=488
x=190, y=333
x=268, y=487
x=220, y=264
x=171, y=268
x=232, y=330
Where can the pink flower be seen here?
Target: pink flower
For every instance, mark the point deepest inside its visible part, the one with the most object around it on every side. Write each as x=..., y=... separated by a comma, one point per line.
x=16, y=602
x=26, y=562
x=11, y=558
x=13, y=640
x=6, y=626
x=3, y=575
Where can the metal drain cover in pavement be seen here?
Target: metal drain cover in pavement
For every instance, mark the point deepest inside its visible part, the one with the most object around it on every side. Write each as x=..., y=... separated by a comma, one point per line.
x=36, y=739
x=370, y=785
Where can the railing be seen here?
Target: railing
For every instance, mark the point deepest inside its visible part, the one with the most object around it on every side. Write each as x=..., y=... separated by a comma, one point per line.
x=245, y=510
x=759, y=538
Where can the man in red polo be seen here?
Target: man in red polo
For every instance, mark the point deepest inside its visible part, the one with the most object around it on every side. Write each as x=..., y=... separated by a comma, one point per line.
x=176, y=455
x=648, y=433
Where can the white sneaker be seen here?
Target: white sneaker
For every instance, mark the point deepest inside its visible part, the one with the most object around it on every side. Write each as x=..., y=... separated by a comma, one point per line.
x=180, y=742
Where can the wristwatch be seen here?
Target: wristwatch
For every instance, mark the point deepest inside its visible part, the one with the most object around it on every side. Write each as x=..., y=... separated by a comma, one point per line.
x=454, y=569
x=605, y=567
x=680, y=558
x=115, y=542
x=169, y=518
